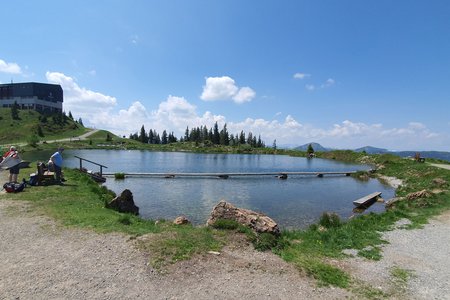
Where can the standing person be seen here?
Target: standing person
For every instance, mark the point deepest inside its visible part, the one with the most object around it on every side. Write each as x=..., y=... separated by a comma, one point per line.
x=14, y=170
x=57, y=161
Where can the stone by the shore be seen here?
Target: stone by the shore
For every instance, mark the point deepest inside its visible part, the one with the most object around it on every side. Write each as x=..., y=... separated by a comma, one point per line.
x=258, y=222
x=419, y=194
x=181, y=220
x=124, y=203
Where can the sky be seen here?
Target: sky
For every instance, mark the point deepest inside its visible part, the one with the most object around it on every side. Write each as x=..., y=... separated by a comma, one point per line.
x=345, y=74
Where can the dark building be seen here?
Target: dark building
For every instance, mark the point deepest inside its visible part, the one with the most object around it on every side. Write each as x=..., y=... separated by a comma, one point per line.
x=42, y=97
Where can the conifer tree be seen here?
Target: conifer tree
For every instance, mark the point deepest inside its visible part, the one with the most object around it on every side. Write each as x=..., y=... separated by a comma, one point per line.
x=164, y=138
x=216, y=134
x=15, y=111
x=143, y=135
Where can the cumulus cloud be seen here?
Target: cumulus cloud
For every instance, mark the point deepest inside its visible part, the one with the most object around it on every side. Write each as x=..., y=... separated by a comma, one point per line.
x=80, y=101
x=330, y=82
x=301, y=76
x=175, y=113
x=310, y=87
x=10, y=68
x=225, y=88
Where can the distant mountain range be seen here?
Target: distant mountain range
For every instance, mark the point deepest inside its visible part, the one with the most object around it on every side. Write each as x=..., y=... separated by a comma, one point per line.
x=316, y=147
x=374, y=150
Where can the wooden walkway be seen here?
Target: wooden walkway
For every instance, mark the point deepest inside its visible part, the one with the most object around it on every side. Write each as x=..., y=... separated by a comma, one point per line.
x=367, y=200
x=281, y=175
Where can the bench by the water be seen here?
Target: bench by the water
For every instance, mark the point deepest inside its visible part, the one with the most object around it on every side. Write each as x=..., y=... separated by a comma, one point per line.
x=281, y=175
x=367, y=200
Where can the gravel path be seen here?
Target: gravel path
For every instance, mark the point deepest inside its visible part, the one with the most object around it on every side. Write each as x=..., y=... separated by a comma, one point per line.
x=422, y=253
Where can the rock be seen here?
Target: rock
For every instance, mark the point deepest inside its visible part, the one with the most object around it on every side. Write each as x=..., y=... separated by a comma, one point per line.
x=124, y=203
x=419, y=194
x=256, y=221
x=439, y=182
x=181, y=220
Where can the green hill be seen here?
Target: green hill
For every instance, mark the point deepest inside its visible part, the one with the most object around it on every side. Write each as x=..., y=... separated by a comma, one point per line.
x=34, y=125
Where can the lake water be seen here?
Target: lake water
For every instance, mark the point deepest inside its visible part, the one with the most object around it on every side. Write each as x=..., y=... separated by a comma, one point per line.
x=293, y=203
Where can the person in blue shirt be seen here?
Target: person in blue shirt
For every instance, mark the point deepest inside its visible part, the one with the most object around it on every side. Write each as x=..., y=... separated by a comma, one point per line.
x=56, y=160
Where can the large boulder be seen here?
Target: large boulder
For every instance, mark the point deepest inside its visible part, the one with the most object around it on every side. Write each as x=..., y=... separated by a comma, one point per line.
x=124, y=203
x=256, y=221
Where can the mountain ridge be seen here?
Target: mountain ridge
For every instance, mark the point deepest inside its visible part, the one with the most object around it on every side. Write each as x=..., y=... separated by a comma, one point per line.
x=375, y=150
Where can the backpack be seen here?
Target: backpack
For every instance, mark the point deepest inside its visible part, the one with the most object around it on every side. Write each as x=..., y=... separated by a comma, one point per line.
x=11, y=187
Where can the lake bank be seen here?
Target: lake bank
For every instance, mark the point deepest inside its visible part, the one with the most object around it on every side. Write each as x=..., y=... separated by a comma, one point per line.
x=295, y=202
x=319, y=245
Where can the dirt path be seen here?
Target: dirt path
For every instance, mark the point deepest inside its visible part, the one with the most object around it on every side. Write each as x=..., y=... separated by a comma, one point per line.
x=43, y=261
x=442, y=166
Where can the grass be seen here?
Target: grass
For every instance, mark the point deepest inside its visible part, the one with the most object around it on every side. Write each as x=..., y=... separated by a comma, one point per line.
x=27, y=126
x=310, y=249
x=401, y=276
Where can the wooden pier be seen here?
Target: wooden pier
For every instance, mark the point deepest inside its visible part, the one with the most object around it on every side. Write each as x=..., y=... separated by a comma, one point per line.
x=368, y=200
x=281, y=175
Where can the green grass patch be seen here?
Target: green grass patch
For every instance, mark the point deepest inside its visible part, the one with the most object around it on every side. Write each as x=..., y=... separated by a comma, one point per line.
x=401, y=276
x=182, y=243
x=119, y=175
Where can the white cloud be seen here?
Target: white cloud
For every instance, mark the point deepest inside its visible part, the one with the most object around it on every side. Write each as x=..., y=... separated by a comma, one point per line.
x=134, y=39
x=10, y=68
x=301, y=76
x=224, y=88
x=79, y=100
x=244, y=94
x=310, y=87
x=330, y=82
x=175, y=113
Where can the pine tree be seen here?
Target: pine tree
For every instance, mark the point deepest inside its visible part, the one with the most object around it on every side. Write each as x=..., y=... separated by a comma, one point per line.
x=224, y=136
x=216, y=135
x=250, y=138
x=150, y=136
x=70, y=115
x=242, y=138
x=15, y=111
x=164, y=138
x=39, y=131
x=310, y=149
x=143, y=135
x=186, y=134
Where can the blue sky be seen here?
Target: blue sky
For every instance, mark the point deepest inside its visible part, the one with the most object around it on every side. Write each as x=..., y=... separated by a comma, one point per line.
x=342, y=73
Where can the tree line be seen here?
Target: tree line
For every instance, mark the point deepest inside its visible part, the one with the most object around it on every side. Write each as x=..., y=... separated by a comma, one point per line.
x=201, y=134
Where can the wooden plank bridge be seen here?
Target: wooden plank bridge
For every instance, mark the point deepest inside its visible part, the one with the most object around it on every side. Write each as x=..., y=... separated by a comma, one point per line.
x=368, y=200
x=281, y=175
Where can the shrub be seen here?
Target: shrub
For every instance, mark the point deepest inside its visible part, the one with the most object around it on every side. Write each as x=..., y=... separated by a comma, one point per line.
x=119, y=175
x=330, y=220
x=226, y=224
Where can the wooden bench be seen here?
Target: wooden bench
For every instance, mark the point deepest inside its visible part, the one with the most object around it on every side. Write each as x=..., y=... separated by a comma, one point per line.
x=367, y=201
x=44, y=176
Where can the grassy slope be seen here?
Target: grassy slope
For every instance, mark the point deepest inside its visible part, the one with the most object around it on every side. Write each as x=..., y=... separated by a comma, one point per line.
x=20, y=131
